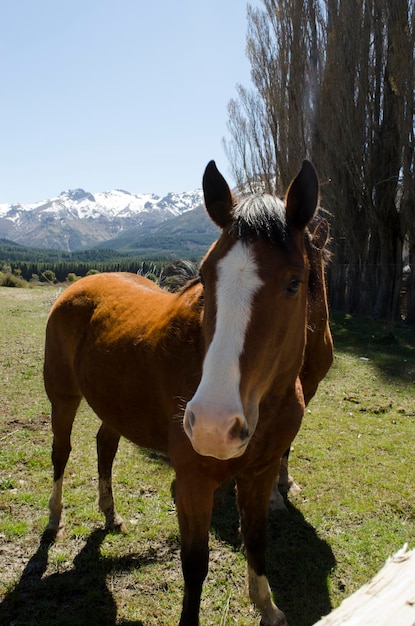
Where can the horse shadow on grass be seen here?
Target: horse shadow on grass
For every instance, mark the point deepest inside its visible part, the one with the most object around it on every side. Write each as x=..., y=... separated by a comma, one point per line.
x=298, y=566
x=298, y=560
x=79, y=597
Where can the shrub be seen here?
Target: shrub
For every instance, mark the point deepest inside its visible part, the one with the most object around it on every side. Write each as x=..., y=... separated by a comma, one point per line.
x=8, y=279
x=71, y=277
x=152, y=277
x=47, y=277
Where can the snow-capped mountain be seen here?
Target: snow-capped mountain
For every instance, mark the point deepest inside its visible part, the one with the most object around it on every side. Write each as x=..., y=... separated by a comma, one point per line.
x=78, y=219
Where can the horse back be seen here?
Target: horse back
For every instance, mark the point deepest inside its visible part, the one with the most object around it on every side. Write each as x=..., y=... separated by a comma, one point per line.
x=133, y=350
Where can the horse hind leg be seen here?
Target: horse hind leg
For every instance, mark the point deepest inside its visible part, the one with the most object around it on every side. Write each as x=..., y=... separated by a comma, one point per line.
x=107, y=446
x=285, y=484
x=64, y=410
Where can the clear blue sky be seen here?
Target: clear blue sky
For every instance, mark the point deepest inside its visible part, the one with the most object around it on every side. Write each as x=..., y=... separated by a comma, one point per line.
x=128, y=94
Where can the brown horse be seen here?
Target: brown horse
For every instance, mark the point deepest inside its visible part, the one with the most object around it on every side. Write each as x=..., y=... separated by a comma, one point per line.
x=209, y=375
x=318, y=355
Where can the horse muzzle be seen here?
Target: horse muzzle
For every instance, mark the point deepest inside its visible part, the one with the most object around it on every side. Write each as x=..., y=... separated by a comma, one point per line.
x=217, y=433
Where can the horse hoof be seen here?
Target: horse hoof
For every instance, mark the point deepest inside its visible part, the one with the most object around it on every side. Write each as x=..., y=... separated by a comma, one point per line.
x=116, y=525
x=56, y=524
x=293, y=488
x=53, y=533
x=276, y=503
x=121, y=528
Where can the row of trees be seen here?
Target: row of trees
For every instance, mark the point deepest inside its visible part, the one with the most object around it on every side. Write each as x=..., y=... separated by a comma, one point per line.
x=170, y=276
x=333, y=81
x=59, y=271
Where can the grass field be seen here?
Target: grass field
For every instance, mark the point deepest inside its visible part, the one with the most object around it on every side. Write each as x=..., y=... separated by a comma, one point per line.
x=353, y=458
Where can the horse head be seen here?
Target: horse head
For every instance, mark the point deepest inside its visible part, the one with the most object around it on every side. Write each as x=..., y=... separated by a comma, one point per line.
x=255, y=281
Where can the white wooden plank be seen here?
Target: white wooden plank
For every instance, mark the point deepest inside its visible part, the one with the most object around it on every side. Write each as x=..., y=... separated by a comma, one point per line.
x=387, y=600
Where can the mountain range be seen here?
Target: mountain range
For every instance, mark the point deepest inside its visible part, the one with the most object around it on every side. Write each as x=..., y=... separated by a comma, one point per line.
x=78, y=219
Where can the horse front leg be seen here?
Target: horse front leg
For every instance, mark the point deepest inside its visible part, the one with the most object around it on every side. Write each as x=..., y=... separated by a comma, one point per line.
x=107, y=446
x=194, y=503
x=253, y=501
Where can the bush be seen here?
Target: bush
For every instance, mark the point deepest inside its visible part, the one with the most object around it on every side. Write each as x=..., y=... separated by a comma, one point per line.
x=71, y=277
x=7, y=279
x=152, y=277
x=47, y=277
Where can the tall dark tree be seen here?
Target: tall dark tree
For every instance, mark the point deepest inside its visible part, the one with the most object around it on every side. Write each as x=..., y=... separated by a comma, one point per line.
x=334, y=81
x=271, y=125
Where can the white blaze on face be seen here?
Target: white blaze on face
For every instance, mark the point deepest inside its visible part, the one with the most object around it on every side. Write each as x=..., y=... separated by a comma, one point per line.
x=237, y=283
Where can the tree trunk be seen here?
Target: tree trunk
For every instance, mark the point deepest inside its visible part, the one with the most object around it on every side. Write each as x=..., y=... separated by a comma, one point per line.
x=410, y=287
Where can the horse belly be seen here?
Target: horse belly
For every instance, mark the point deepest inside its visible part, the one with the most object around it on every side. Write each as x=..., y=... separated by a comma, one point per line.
x=130, y=397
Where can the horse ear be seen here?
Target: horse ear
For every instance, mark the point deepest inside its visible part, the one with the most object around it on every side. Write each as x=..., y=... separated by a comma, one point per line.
x=218, y=197
x=302, y=196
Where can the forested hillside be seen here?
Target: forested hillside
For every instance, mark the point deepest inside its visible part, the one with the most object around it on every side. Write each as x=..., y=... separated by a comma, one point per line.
x=143, y=250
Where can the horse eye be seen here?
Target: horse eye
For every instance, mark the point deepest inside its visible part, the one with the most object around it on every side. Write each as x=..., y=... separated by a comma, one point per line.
x=293, y=286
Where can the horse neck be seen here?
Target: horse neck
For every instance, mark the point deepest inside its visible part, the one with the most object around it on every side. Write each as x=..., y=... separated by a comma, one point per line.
x=188, y=307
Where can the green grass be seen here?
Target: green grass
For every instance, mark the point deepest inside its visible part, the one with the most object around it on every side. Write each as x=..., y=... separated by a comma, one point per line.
x=352, y=458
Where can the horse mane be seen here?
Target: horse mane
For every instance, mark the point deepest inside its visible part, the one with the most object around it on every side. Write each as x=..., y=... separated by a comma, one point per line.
x=321, y=215
x=319, y=256
x=192, y=282
x=262, y=216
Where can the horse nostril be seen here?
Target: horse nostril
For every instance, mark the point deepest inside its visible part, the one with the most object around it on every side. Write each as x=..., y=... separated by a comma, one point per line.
x=192, y=418
x=238, y=430
x=189, y=422
x=244, y=433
